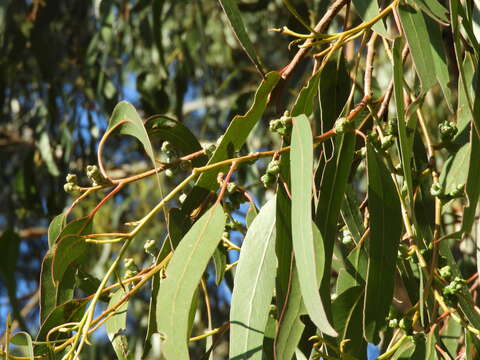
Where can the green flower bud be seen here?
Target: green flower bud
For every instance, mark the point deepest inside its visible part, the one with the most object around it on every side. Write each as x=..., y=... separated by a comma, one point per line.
x=267, y=179
x=273, y=167
x=436, y=190
x=169, y=173
x=71, y=178
x=71, y=188
x=182, y=198
x=167, y=147
x=210, y=149
x=129, y=263
x=446, y=272
x=447, y=130
x=150, y=247
x=342, y=125
x=347, y=237
x=406, y=324
x=231, y=188
x=457, y=191
x=393, y=323
x=93, y=173
x=185, y=165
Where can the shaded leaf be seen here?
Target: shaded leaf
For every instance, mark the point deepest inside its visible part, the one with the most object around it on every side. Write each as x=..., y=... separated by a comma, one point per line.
x=70, y=311
x=183, y=276
x=309, y=271
x=55, y=228
x=117, y=325
x=177, y=134
x=432, y=8
x=234, y=17
x=251, y=214
x=68, y=250
x=24, y=341
x=347, y=311
x=47, y=154
x=385, y=232
x=254, y=286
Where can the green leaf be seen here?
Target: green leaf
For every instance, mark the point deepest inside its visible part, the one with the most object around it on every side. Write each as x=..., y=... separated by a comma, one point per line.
x=334, y=178
x=68, y=249
x=254, y=286
x=304, y=102
x=455, y=170
x=24, y=341
x=117, y=325
x=124, y=111
x=183, y=276
x=177, y=134
x=351, y=214
x=385, y=232
x=251, y=214
x=70, y=311
x=10, y=245
x=432, y=8
x=238, y=131
x=70, y=246
x=235, y=19
x=309, y=271
x=290, y=326
x=48, y=290
x=55, y=228
x=368, y=10
x=405, y=141
x=47, y=154
x=219, y=262
x=347, y=313
x=415, y=27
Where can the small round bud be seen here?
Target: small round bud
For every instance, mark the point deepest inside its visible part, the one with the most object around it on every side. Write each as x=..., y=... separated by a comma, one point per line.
x=457, y=191
x=149, y=247
x=347, y=237
x=185, y=165
x=273, y=167
x=210, y=149
x=129, y=263
x=436, y=190
x=182, y=198
x=342, y=125
x=71, y=178
x=393, y=323
x=169, y=173
x=166, y=147
x=447, y=129
x=405, y=324
x=446, y=272
x=267, y=179
x=71, y=188
x=93, y=173
x=231, y=188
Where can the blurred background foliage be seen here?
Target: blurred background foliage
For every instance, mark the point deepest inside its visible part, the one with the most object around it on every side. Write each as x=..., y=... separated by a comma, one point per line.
x=63, y=67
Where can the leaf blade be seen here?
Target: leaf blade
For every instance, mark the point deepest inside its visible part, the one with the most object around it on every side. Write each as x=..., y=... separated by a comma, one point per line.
x=301, y=165
x=254, y=286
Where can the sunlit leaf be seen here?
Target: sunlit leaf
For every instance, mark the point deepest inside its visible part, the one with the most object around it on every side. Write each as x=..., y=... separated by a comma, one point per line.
x=254, y=286
x=183, y=276
x=369, y=9
x=309, y=271
x=117, y=325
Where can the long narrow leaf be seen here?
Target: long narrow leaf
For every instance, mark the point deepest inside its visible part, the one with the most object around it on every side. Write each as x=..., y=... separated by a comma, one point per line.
x=303, y=242
x=254, y=286
x=385, y=232
x=183, y=276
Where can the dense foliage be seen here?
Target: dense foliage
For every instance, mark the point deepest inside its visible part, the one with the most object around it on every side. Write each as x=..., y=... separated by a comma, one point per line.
x=300, y=179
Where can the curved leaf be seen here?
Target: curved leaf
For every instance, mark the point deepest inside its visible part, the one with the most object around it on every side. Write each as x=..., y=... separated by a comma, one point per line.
x=24, y=341
x=385, y=232
x=55, y=228
x=133, y=126
x=233, y=14
x=254, y=286
x=117, y=324
x=183, y=276
x=301, y=167
x=176, y=133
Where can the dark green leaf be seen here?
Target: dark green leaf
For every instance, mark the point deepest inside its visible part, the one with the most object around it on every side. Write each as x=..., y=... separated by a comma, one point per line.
x=254, y=286
x=68, y=249
x=309, y=271
x=55, y=228
x=385, y=232
x=183, y=276
x=233, y=14
x=68, y=312
x=347, y=313
x=177, y=134
x=432, y=8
